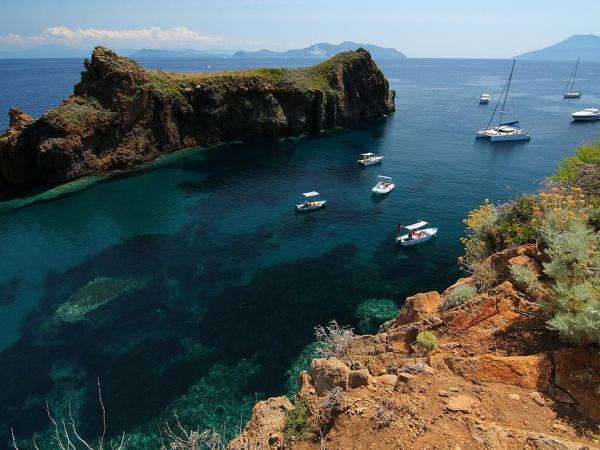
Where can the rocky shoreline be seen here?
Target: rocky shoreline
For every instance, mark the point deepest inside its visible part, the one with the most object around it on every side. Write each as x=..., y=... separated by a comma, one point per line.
x=497, y=379
x=121, y=114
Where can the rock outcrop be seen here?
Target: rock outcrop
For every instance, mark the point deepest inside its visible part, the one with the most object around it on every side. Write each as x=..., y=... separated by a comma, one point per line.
x=121, y=115
x=498, y=379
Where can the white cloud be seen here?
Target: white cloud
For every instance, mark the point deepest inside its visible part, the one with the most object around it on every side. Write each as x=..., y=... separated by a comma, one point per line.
x=145, y=36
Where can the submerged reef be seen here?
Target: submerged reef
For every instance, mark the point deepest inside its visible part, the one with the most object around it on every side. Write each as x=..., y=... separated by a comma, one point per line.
x=121, y=114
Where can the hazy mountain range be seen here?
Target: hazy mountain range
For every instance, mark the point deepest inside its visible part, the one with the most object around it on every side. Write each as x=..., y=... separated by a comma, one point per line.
x=584, y=46
x=323, y=50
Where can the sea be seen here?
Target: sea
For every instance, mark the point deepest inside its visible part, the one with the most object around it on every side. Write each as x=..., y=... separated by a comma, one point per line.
x=190, y=288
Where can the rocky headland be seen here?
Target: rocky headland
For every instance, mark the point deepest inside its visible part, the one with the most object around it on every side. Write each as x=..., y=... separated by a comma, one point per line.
x=121, y=114
x=497, y=379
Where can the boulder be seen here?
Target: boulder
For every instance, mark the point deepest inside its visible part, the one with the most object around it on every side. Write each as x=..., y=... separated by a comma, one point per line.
x=577, y=372
x=268, y=416
x=358, y=378
x=529, y=372
x=388, y=380
x=327, y=373
x=461, y=403
x=418, y=307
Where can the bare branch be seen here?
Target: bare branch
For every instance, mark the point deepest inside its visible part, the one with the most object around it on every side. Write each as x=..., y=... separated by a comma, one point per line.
x=101, y=440
x=12, y=433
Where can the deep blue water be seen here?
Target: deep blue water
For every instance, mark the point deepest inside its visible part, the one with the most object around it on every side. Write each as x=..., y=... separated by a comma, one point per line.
x=212, y=285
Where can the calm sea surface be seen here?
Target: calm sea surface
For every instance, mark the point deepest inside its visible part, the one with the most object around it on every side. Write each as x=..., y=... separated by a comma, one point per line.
x=206, y=284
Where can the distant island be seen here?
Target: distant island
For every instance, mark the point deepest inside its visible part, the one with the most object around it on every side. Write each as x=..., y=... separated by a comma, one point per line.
x=153, y=53
x=323, y=50
x=584, y=46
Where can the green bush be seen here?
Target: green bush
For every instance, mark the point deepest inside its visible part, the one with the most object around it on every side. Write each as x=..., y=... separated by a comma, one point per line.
x=585, y=154
x=426, y=341
x=299, y=423
x=459, y=295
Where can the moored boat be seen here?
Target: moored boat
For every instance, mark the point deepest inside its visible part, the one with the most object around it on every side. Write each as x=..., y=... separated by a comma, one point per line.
x=570, y=91
x=416, y=233
x=312, y=201
x=384, y=185
x=586, y=114
x=368, y=159
x=485, y=98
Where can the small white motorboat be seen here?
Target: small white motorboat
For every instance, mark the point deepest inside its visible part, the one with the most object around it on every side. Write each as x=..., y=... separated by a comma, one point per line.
x=384, y=185
x=485, y=98
x=311, y=202
x=586, y=114
x=367, y=159
x=416, y=233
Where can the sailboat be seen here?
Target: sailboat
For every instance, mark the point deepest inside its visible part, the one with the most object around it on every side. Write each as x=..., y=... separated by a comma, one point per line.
x=570, y=91
x=504, y=131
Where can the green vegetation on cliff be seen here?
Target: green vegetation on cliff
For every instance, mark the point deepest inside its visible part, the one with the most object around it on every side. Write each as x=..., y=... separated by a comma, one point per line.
x=563, y=221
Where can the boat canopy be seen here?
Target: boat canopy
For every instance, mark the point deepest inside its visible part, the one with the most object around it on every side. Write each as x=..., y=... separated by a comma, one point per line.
x=367, y=154
x=382, y=179
x=415, y=226
x=310, y=194
x=508, y=124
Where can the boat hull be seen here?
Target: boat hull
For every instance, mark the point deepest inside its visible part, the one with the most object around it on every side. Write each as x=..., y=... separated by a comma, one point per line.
x=313, y=206
x=383, y=191
x=585, y=118
x=370, y=162
x=510, y=137
x=428, y=233
x=572, y=95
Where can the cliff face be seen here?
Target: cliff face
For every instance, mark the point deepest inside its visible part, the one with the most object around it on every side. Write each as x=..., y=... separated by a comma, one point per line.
x=497, y=380
x=121, y=115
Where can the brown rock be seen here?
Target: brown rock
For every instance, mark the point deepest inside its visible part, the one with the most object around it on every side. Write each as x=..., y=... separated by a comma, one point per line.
x=358, y=378
x=327, y=373
x=461, y=403
x=406, y=377
x=418, y=307
x=529, y=372
x=537, y=397
x=577, y=372
x=17, y=118
x=268, y=416
x=389, y=380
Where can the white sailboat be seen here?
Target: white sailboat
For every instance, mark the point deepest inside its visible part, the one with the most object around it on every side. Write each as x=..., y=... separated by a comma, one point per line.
x=384, y=185
x=416, y=233
x=311, y=202
x=504, y=131
x=570, y=91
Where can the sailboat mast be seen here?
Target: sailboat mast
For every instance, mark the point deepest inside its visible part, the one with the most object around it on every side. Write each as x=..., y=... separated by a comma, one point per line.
x=574, y=74
x=506, y=93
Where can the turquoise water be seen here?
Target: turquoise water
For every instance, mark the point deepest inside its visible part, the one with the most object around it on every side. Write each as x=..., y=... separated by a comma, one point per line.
x=192, y=286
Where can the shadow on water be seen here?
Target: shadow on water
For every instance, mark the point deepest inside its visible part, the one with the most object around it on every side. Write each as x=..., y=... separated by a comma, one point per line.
x=8, y=290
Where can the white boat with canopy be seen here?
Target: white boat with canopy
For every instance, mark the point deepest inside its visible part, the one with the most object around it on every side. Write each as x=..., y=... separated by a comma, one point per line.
x=384, y=185
x=570, y=91
x=367, y=159
x=485, y=98
x=312, y=201
x=586, y=114
x=416, y=233
x=504, y=131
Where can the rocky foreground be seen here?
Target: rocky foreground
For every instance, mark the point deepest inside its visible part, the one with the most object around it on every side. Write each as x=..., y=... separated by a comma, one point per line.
x=121, y=114
x=498, y=379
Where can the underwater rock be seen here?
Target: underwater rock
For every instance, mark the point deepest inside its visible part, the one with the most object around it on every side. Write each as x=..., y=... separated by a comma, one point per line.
x=93, y=295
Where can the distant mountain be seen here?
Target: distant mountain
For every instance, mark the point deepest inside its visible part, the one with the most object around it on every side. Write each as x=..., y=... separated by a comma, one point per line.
x=584, y=46
x=150, y=53
x=323, y=50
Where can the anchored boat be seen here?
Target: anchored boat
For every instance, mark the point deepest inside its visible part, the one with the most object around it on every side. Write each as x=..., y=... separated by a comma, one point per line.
x=586, y=114
x=570, y=91
x=485, y=98
x=384, y=185
x=504, y=131
x=416, y=233
x=312, y=201
x=367, y=159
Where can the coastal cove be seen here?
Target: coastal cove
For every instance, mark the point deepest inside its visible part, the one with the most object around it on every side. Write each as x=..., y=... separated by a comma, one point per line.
x=205, y=286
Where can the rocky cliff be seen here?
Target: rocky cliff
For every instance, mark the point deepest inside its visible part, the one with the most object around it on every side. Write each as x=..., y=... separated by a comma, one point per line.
x=121, y=115
x=497, y=379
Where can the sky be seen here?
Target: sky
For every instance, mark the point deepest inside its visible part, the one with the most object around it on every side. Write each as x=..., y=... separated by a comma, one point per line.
x=419, y=28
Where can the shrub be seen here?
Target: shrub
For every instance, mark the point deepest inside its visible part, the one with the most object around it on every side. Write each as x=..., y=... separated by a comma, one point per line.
x=459, y=295
x=485, y=275
x=585, y=154
x=334, y=341
x=384, y=414
x=299, y=423
x=479, y=240
x=526, y=277
x=426, y=341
